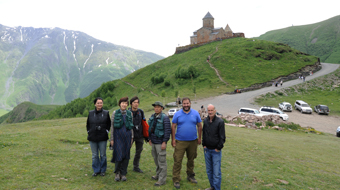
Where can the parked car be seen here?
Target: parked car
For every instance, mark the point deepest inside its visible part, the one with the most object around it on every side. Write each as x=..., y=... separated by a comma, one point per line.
x=303, y=107
x=338, y=132
x=250, y=111
x=285, y=106
x=321, y=109
x=172, y=111
x=267, y=110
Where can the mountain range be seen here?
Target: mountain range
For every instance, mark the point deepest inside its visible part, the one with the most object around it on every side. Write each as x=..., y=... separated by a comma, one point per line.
x=321, y=39
x=55, y=66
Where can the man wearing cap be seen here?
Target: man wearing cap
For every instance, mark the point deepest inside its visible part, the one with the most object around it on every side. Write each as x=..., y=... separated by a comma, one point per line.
x=185, y=140
x=159, y=135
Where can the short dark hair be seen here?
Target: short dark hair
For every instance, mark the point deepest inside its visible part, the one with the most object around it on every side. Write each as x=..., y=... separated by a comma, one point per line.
x=98, y=98
x=186, y=98
x=133, y=99
x=124, y=99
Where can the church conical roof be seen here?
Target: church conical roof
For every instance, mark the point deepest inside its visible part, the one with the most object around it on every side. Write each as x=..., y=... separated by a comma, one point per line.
x=208, y=15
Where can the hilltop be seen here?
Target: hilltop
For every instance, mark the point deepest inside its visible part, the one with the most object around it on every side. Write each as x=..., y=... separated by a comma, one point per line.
x=240, y=62
x=321, y=39
x=56, y=66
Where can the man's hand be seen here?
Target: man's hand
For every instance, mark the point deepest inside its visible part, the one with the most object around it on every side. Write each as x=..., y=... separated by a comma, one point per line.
x=199, y=141
x=173, y=143
x=217, y=150
x=150, y=142
x=131, y=142
x=111, y=143
x=163, y=146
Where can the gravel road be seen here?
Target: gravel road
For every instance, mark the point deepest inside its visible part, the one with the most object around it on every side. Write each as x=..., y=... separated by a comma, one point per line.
x=230, y=104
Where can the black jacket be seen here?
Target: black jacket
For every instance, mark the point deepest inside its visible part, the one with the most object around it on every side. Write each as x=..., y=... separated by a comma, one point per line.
x=137, y=122
x=94, y=120
x=213, y=133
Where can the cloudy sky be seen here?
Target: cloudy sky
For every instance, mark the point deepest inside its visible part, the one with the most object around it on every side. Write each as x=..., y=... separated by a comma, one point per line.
x=160, y=26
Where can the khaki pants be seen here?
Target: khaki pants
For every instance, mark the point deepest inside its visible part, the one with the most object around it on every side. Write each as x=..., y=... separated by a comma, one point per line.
x=190, y=147
x=159, y=156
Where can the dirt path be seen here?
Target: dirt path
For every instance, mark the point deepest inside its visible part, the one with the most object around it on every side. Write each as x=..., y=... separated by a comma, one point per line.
x=230, y=104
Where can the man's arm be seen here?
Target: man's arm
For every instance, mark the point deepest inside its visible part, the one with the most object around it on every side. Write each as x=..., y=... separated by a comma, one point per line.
x=173, y=132
x=199, y=129
x=221, y=135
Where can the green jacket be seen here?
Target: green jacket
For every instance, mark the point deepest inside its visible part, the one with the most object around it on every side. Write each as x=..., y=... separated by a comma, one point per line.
x=118, y=121
x=159, y=130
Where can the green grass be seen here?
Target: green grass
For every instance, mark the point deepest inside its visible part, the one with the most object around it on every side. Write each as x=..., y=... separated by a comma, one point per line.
x=320, y=39
x=3, y=112
x=54, y=154
x=314, y=92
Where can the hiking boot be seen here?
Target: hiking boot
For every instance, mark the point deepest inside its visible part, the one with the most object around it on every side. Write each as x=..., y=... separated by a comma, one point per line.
x=117, y=177
x=124, y=178
x=210, y=188
x=102, y=174
x=192, y=179
x=158, y=183
x=154, y=178
x=138, y=170
x=177, y=185
x=95, y=174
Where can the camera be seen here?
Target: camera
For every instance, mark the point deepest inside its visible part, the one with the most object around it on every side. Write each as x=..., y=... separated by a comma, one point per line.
x=98, y=128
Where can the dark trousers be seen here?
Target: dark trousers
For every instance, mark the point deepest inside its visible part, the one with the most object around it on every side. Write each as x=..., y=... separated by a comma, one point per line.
x=122, y=166
x=139, y=148
x=182, y=147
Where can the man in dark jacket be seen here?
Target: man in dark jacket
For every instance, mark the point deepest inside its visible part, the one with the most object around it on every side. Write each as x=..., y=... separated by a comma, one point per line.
x=138, y=116
x=213, y=140
x=98, y=126
x=159, y=134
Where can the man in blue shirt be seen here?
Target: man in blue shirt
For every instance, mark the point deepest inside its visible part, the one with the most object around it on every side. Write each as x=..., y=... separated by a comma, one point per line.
x=185, y=140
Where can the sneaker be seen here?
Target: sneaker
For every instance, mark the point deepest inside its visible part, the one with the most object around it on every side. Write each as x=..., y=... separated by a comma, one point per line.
x=177, y=185
x=124, y=178
x=154, y=178
x=138, y=170
x=117, y=177
x=192, y=179
x=158, y=183
x=102, y=174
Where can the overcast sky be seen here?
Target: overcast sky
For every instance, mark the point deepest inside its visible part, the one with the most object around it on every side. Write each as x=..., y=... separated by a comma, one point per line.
x=160, y=26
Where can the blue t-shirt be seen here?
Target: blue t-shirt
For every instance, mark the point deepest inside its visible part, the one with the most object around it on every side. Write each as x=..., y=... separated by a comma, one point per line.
x=186, y=125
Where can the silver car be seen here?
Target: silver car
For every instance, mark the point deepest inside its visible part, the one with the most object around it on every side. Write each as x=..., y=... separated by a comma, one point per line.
x=285, y=106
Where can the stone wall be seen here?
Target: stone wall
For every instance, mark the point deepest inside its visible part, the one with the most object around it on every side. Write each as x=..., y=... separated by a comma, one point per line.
x=305, y=71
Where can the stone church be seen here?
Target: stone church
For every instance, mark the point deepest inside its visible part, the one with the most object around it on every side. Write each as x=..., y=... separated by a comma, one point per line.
x=209, y=33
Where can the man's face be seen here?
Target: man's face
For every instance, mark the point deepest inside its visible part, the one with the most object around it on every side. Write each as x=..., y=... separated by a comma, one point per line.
x=135, y=104
x=158, y=109
x=211, y=111
x=186, y=105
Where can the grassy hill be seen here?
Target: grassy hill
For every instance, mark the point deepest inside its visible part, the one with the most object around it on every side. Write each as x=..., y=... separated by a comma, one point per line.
x=54, y=154
x=26, y=111
x=321, y=39
x=240, y=62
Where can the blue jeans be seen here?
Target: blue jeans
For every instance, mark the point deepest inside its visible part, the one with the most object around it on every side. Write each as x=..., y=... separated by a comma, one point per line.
x=213, y=167
x=98, y=165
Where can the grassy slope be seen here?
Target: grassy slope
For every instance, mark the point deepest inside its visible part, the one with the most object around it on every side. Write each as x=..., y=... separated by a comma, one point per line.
x=55, y=154
x=321, y=39
x=26, y=111
x=314, y=92
x=3, y=112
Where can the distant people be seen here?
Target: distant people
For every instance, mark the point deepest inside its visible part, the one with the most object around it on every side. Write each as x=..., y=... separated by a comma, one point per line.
x=303, y=78
x=121, y=138
x=98, y=126
x=178, y=100
x=212, y=141
x=185, y=140
x=281, y=82
x=202, y=108
x=276, y=83
x=159, y=133
x=138, y=116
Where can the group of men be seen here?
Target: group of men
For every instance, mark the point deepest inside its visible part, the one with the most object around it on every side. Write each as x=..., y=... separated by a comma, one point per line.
x=186, y=134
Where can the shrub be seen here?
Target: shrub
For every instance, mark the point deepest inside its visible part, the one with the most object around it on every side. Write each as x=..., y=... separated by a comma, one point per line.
x=269, y=123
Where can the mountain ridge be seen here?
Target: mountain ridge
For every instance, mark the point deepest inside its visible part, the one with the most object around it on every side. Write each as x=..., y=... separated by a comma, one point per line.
x=55, y=66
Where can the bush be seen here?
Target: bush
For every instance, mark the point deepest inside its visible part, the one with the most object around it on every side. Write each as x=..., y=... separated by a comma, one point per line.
x=167, y=83
x=269, y=123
